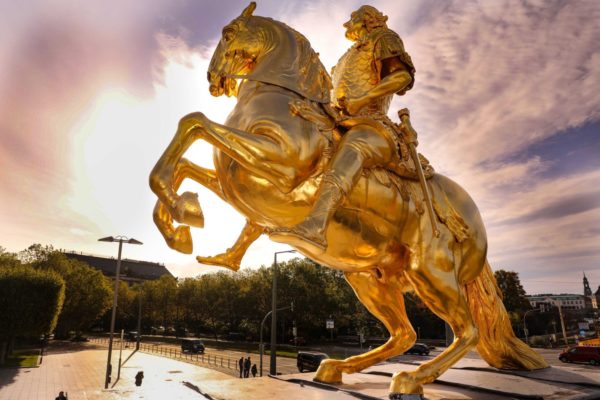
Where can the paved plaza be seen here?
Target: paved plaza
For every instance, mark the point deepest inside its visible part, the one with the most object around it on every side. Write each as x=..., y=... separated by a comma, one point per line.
x=79, y=369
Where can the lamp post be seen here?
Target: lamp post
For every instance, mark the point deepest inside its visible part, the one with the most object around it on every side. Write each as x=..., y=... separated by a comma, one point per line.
x=262, y=327
x=121, y=240
x=273, y=369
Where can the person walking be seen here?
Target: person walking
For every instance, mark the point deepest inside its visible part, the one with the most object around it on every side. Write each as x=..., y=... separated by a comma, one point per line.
x=247, y=364
x=254, y=370
x=241, y=364
x=62, y=396
x=138, y=378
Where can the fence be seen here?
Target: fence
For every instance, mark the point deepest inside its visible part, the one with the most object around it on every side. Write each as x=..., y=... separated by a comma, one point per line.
x=215, y=361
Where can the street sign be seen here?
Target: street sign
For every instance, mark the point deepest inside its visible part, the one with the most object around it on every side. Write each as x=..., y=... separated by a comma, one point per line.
x=329, y=324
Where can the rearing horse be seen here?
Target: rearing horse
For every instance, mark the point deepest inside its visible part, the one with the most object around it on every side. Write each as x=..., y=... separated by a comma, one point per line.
x=268, y=166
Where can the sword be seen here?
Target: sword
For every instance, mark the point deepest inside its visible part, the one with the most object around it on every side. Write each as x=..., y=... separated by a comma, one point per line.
x=410, y=135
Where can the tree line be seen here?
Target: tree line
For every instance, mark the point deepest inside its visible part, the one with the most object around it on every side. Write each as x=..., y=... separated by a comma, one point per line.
x=44, y=291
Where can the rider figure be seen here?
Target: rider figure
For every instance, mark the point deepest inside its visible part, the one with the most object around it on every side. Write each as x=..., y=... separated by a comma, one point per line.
x=364, y=81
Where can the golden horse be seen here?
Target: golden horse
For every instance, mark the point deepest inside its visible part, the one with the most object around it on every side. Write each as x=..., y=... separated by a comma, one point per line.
x=268, y=166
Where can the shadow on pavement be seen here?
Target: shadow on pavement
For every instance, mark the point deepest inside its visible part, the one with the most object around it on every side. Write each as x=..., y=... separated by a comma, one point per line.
x=65, y=346
x=7, y=375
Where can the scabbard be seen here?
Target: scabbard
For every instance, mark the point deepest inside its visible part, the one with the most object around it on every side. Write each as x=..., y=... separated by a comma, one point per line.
x=424, y=187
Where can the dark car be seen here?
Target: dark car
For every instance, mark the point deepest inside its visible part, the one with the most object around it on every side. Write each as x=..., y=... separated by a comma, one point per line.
x=298, y=341
x=581, y=354
x=418, y=348
x=310, y=360
x=192, y=346
x=132, y=336
x=235, y=337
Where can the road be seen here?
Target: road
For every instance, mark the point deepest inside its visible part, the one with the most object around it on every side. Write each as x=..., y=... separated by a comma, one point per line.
x=226, y=360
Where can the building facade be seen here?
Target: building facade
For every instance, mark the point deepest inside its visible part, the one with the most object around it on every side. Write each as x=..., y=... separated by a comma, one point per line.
x=132, y=271
x=565, y=301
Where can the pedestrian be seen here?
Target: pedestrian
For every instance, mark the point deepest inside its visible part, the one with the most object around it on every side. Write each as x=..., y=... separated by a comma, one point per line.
x=138, y=378
x=241, y=364
x=254, y=370
x=247, y=364
x=62, y=396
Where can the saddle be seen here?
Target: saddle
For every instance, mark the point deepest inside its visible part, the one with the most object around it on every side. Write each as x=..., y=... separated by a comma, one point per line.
x=332, y=124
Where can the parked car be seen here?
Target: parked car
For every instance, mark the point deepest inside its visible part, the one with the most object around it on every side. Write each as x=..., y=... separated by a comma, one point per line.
x=132, y=336
x=418, y=348
x=310, y=360
x=192, y=345
x=582, y=354
x=157, y=330
x=298, y=341
x=235, y=337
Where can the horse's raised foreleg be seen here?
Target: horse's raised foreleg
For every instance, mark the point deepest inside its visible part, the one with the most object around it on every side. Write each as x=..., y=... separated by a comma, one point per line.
x=382, y=295
x=436, y=284
x=164, y=180
x=179, y=238
x=267, y=152
x=233, y=256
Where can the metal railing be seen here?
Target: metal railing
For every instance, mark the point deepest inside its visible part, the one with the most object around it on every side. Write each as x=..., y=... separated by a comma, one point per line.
x=228, y=364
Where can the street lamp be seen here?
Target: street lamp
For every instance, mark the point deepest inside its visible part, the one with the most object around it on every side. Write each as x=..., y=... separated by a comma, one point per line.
x=273, y=369
x=262, y=327
x=121, y=240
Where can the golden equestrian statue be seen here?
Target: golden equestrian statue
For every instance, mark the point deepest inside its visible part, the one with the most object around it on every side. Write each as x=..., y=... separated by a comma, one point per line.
x=316, y=163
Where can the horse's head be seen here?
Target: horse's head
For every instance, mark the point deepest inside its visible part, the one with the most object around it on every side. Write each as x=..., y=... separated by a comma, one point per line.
x=264, y=50
x=236, y=54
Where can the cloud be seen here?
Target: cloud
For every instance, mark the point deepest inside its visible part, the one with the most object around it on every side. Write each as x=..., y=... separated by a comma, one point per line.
x=91, y=96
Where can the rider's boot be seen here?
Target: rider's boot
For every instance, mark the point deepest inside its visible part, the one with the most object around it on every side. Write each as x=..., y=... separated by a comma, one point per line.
x=313, y=228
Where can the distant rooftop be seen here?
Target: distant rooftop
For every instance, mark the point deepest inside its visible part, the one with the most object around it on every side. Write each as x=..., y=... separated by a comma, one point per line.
x=143, y=270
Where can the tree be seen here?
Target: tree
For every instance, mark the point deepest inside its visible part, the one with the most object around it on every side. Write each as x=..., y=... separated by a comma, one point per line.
x=88, y=293
x=30, y=303
x=8, y=259
x=513, y=294
x=159, y=300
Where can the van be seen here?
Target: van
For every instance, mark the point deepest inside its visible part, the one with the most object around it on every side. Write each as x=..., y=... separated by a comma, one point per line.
x=310, y=360
x=583, y=354
x=192, y=346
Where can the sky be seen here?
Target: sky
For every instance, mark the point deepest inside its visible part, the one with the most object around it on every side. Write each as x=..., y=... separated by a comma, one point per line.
x=506, y=102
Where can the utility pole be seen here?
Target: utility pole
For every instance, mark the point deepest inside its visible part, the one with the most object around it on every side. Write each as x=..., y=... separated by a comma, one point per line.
x=562, y=324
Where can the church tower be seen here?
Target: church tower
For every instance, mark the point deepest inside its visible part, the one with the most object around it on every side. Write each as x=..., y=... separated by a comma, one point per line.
x=587, y=292
x=591, y=300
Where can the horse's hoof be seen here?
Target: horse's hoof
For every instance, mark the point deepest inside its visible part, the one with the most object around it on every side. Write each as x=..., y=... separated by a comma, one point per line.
x=404, y=384
x=182, y=240
x=188, y=210
x=328, y=372
x=220, y=260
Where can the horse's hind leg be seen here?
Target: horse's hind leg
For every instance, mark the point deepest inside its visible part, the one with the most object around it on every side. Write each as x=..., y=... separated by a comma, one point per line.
x=232, y=258
x=382, y=295
x=437, y=285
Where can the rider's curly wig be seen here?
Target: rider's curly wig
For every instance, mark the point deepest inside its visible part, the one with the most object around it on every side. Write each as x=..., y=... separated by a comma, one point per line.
x=372, y=18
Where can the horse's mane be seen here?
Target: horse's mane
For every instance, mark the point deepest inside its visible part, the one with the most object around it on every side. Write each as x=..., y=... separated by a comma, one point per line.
x=291, y=62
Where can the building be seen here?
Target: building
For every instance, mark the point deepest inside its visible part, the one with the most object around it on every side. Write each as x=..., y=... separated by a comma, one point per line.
x=590, y=299
x=564, y=301
x=132, y=271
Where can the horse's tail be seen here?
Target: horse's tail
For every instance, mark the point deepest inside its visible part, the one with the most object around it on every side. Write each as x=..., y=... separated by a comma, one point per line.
x=498, y=345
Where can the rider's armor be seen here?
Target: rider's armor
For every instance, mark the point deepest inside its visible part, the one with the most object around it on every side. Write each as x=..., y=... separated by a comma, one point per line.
x=359, y=69
x=356, y=73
